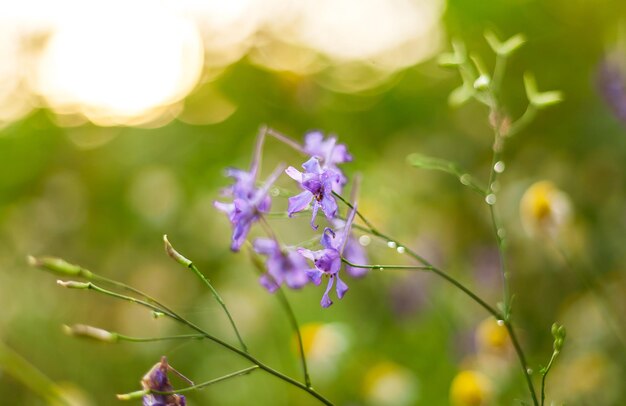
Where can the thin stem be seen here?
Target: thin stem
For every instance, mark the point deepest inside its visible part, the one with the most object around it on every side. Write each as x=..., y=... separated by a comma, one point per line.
x=427, y=264
x=522, y=360
x=286, y=140
x=221, y=302
x=490, y=309
x=282, y=298
x=498, y=73
x=151, y=339
x=224, y=344
x=545, y=374
x=498, y=230
x=523, y=121
x=244, y=371
x=381, y=267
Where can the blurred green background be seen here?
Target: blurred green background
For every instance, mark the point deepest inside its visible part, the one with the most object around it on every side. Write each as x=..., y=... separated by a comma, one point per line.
x=102, y=197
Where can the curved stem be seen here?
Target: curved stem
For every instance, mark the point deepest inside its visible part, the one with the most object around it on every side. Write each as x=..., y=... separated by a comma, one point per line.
x=427, y=265
x=522, y=360
x=224, y=344
x=244, y=371
x=282, y=298
x=490, y=309
x=221, y=302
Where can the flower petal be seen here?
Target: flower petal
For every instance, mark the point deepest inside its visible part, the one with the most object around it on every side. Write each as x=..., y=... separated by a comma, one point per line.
x=342, y=288
x=294, y=174
x=299, y=202
x=268, y=283
x=312, y=166
x=315, y=275
x=316, y=207
x=326, y=302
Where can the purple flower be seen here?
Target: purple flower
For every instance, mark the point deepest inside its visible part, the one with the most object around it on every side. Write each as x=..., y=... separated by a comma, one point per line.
x=330, y=153
x=612, y=85
x=248, y=205
x=328, y=260
x=156, y=380
x=353, y=252
x=288, y=267
x=318, y=187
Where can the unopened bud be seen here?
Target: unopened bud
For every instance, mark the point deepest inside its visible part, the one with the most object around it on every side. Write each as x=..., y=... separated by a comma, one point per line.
x=175, y=255
x=58, y=266
x=133, y=395
x=74, y=284
x=94, y=333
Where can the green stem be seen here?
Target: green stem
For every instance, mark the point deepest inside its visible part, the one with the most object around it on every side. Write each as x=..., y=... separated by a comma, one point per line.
x=523, y=121
x=220, y=301
x=490, y=309
x=14, y=365
x=427, y=265
x=244, y=371
x=522, y=360
x=381, y=267
x=282, y=298
x=151, y=339
x=545, y=374
x=224, y=344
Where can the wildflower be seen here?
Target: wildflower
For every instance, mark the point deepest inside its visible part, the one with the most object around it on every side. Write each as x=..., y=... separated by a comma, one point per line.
x=387, y=383
x=470, y=388
x=248, y=205
x=544, y=209
x=328, y=260
x=492, y=337
x=318, y=187
x=288, y=267
x=330, y=153
x=156, y=380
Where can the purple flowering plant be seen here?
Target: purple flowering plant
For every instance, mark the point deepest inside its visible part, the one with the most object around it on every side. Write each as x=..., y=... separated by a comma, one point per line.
x=339, y=255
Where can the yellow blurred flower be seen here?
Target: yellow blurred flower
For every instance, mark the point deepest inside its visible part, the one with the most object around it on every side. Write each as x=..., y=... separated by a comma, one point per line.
x=544, y=209
x=324, y=345
x=492, y=337
x=470, y=388
x=389, y=384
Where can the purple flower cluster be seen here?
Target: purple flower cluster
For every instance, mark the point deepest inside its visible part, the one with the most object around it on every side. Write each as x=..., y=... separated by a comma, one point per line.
x=320, y=179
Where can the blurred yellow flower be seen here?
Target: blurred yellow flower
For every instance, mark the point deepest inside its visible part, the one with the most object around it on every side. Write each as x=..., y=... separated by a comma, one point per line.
x=324, y=345
x=492, y=337
x=389, y=384
x=544, y=209
x=470, y=388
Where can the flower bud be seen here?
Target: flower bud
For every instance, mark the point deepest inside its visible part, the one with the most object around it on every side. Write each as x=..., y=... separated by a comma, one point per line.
x=58, y=266
x=84, y=331
x=74, y=284
x=175, y=255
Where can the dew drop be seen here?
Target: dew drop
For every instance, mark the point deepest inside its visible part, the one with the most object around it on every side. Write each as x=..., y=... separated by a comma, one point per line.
x=495, y=186
x=500, y=323
x=465, y=179
x=529, y=371
x=499, y=167
x=156, y=315
x=401, y=250
x=490, y=199
x=365, y=240
x=392, y=244
x=274, y=192
x=380, y=268
x=501, y=232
